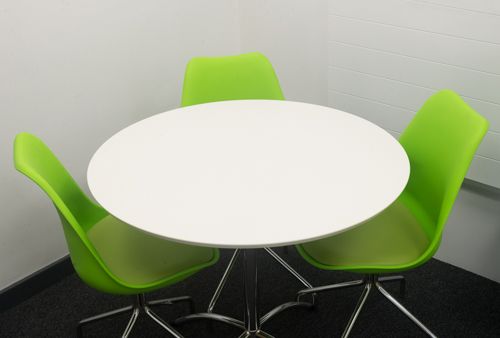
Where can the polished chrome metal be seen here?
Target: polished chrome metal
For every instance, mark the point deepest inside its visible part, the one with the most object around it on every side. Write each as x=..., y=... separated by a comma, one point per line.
x=328, y=287
x=301, y=279
x=288, y=268
x=294, y=273
x=251, y=313
x=370, y=282
x=222, y=282
x=212, y=316
x=391, y=278
x=230, y=266
x=260, y=334
x=252, y=322
x=281, y=308
x=162, y=323
x=403, y=309
x=401, y=279
x=359, y=306
x=228, y=320
x=251, y=291
x=140, y=305
x=131, y=323
x=103, y=315
x=172, y=301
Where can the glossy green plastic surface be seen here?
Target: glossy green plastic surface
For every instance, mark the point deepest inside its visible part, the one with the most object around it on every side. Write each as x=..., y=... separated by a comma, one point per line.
x=107, y=254
x=440, y=142
x=239, y=77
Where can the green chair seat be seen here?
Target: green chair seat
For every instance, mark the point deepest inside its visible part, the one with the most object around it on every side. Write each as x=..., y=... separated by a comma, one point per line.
x=394, y=237
x=137, y=258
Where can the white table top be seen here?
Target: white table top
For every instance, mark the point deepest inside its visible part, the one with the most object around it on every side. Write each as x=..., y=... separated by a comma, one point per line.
x=248, y=174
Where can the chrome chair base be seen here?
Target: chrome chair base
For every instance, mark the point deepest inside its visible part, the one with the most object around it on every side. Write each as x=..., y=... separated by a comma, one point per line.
x=370, y=282
x=140, y=306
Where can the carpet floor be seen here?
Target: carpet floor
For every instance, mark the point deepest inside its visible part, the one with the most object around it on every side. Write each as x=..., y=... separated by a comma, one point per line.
x=450, y=301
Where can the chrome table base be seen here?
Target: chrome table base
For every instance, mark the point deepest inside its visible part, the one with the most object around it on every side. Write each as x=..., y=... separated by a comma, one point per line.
x=252, y=322
x=370, y=282
x=140, y=306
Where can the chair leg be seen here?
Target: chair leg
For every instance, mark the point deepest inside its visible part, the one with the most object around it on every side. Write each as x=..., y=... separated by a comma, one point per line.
x=79, y=328
x=140, y=305
x=359, y=306
x=403, y=309
x=131, y=323
x=323, y=288
x=171, y=301
x=369, y=281
x=162, y=323
x=401, y=279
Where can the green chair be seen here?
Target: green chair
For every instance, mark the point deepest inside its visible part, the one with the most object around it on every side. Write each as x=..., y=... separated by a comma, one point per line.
x=440, y=142
x=238, y=77
x=106, y=253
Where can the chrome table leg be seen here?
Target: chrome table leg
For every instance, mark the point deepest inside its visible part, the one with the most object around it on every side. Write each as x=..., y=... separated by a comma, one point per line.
x=282, y=307
x=230, y=266
x=288, y=267
x=211, y=316
x=252, y=324
x=250, y=279
x=223, y=281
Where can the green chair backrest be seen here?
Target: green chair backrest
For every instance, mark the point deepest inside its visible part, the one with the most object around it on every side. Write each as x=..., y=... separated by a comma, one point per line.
x=239, y=77
x=34, y=159
x=77, y=212
x=440, y=142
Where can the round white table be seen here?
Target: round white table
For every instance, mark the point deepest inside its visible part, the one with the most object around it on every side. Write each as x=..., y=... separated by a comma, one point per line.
x=248, y=174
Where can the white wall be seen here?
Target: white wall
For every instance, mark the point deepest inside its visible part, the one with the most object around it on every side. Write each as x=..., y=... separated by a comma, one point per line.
x=472, y=234
x=292, y=34
x=386, y=57
x=75, y=72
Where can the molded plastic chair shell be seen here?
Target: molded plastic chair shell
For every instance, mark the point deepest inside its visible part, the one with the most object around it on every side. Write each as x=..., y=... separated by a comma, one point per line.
x=107, y=254
x=440, y=142
x=246, y=76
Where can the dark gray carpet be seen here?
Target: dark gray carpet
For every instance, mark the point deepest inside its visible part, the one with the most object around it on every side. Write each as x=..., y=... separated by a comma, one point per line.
x=450, y=301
